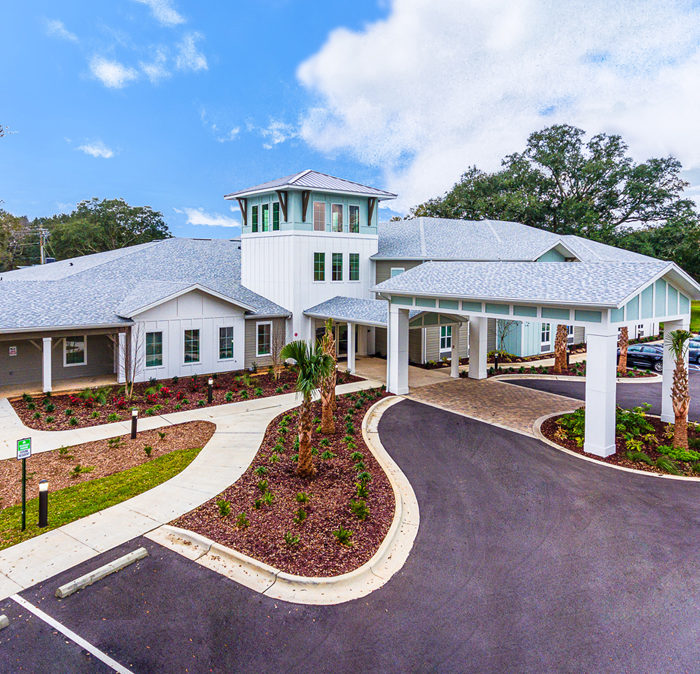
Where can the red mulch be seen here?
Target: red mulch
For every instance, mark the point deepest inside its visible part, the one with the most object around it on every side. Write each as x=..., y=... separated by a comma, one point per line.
x=170, y=399
x=318, y=552
x=56, y=466
x=550, y=427
x=571, y=371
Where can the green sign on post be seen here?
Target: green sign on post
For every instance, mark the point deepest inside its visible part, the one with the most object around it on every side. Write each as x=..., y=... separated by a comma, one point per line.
x=24, y=451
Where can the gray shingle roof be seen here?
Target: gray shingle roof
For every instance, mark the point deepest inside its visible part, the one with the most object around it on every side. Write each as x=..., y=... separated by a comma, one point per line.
x=354, y=309
x=445, y=239
x=105, y=288
x=313, y=180
x=568, y=283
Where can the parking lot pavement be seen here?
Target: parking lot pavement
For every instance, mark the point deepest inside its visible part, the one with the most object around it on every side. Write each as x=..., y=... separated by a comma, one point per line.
x=628, y=394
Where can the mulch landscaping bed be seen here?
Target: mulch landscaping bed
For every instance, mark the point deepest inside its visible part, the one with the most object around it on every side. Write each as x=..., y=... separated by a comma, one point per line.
x=574, y=370
x=317, y=552
x=151, y=398
x=105, y=457
x=550, y=428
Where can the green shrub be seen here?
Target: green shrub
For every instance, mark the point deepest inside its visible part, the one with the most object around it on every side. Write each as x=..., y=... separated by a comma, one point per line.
x=50, y=419
x=295, y=458
x=73, y=421
x=257, y=504
x=364, y=477
x=696, y=467
x=262, y=485
x=113, y=416
x=68, y=412
x=177, y=406
x=37, y=415
x=242, y=520
x=279, y=389
x=244, y=394
x=185, y=401
x=224, y=507
x=259, y=392
x=49, y=407
x=201, y=403
x=678, y=454
x=290, y=539
x=94, y=414
x=228, y=397
x=639, y=457
x=324, y=442
x=357, y=456
x=327, y=455
x=359, y=466
x=150, y=412
x=359, y=509
x=665, y=464
x=31, y=406
x=26, y=397
x=362, y=490
x=148, y=449
x=303, y=497
x=161, y=435
x=77, y=470
x=343, y=536
x=300, y=516
x=260, y=470
x=268, y=498
x=274, y=458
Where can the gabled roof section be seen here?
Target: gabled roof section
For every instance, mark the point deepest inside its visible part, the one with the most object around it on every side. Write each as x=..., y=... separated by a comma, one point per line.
x=596, y=284
x=318, y=182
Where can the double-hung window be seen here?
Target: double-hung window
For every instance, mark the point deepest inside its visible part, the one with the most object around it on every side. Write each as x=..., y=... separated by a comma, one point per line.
x=354, y=266
x=319, y=266
x=266, y=217
x=275, y=216
x=569, y=334
x=337, y=267
x=226, y=342
x=254, y=219
x=191, y=346
x=74, y=351
x=545, y=338
x=319, y=216
x=445, y=337
x=264, y=339
x=640, y=330
x=337, y=217
x=154, y=349
x=354, y=217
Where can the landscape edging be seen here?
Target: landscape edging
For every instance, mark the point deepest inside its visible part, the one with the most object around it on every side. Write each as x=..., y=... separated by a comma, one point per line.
x=568, y=377
x=541, y=436
x=387, y=560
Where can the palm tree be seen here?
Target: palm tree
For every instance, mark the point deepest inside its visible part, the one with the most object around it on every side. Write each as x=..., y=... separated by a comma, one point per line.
x=623, y=342
x=677, y=344
x=328, y=404
x=560, y=349
x=312, y=366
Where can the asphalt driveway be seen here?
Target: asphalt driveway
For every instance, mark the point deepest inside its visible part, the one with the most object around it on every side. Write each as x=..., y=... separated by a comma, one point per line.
x=526, y=559
x=628, y=395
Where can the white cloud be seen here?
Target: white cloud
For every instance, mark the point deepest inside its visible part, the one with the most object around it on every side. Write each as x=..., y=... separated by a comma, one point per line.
x=112, y=73
x=198, y=216
x=230, y=135
x=164, y=12
x=97, y=149
x=188, y=56
x=156, y=69
x=57, y=28
x=277, y=132
x=437, y=87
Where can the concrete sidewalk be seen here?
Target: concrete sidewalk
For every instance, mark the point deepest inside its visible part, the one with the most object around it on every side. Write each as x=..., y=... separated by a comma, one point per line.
x=240, y=428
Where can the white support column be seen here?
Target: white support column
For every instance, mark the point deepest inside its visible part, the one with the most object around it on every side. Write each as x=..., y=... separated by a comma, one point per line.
x=46, y=365
x=121, y=358
x=351, y=348
x=601, y=382
x=454, y=364
x=478, y=334
x=397, y=351
x=667, y=414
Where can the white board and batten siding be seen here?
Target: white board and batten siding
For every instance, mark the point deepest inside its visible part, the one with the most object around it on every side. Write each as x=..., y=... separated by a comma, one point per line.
x=192, y=311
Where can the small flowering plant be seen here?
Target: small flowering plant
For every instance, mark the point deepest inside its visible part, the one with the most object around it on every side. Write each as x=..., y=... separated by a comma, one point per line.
x=120, y=402
x=164, y=392
x=152, y=398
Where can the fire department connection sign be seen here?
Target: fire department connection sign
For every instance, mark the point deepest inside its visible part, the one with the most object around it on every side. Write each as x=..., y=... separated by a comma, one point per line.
x=24, y=448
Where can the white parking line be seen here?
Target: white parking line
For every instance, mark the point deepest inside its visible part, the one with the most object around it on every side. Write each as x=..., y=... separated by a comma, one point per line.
x=71, y=635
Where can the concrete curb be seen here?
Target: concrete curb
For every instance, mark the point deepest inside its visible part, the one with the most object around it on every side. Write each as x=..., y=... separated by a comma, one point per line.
x=4, y=622
x=566, y=377
x=277, y=584
x=540, y=436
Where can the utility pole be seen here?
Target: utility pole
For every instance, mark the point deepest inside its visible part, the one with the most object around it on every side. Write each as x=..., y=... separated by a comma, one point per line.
x=42, y=256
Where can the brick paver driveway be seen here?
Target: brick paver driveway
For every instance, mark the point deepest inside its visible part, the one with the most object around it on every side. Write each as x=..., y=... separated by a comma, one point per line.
x=495, y=402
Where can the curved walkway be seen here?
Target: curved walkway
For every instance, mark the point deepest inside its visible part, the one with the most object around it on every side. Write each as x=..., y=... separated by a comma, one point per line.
x=240, y=428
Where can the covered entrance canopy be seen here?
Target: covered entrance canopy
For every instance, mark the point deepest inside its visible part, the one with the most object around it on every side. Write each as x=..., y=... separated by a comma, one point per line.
x=355, y=311
x=600, y=296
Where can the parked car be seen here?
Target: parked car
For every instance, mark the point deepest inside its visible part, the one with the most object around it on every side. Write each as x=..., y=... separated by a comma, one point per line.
x=645, y=355
x=694, y=351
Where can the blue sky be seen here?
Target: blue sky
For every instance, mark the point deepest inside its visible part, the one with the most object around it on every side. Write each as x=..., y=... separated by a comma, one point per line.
x=173, y=103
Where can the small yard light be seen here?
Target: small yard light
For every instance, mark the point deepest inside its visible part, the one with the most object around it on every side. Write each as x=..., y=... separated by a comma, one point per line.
x=134, y=422
x=210, y=390
x=43, y=503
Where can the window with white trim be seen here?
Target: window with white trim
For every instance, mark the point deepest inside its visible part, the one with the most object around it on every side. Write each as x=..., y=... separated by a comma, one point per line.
x=319, y=216
x=445, y=337
x=319, y=266
x=545, y=337
x=254, y=219
x=266, y=217
x=226, y=342
x=395, y=271
x=75, y=351
x=354, y=266
x=569, y=334
x=354, y=217
x=337, y=267
x=640, y=330
x=263, y=339
x=337, y=217
x=191, y=351
x=154, y=349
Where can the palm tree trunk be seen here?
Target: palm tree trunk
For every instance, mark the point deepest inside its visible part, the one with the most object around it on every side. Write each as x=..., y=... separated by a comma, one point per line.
x=328, y=403
x=560, y=349
x=623, y=343
x=305, y=465
x=680, y=396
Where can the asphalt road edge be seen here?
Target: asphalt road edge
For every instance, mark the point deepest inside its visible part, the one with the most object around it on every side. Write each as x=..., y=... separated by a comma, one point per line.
x=276, y=584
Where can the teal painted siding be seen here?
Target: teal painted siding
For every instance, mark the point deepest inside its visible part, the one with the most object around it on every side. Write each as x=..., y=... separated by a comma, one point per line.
x=684, y=304
x=551, y=256
x=557, y=314
x=632, y=309
x=497, y=309
x=672, y=300
x=449, y=304
x=648, y=302
x=405, y=301
x=585, y=315
x=471, y=306
x=530, y=339
x=424, y=302
x=512, y=342
x=660, y=291
x=519, y=310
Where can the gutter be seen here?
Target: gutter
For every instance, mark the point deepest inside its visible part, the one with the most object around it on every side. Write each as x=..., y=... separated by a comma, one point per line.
x=39, y=328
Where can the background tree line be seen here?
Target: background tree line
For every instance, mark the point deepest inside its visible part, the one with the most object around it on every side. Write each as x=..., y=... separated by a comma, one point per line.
x=94, y=226
x=566, y=184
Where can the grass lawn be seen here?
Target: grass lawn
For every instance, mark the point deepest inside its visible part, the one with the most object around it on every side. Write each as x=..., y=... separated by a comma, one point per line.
x=86, y=498
x=695, y=317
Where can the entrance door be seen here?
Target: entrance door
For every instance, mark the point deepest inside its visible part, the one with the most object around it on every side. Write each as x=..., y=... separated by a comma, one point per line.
x=342, y=346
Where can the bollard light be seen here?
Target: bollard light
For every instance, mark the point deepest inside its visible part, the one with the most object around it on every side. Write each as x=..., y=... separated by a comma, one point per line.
x=134, y=422
x=210, y=390
x=43, y=503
